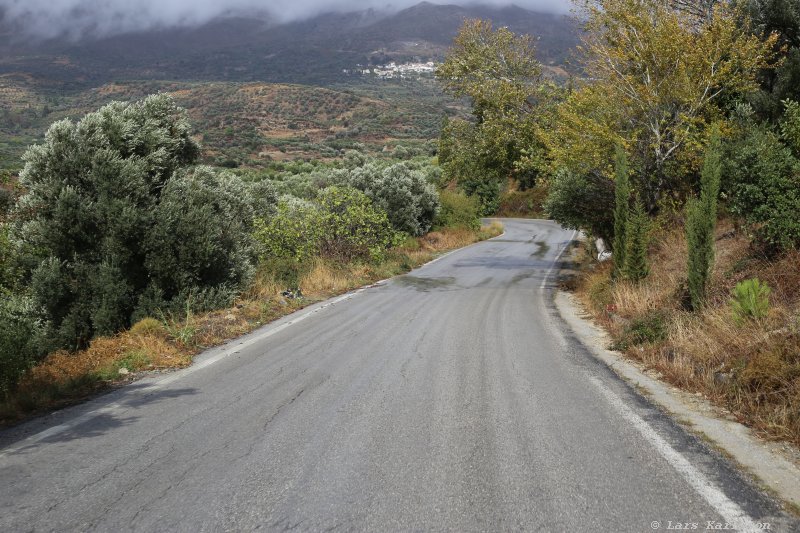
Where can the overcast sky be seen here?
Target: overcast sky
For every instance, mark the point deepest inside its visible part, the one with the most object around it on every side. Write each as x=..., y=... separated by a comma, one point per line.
x=50, y=18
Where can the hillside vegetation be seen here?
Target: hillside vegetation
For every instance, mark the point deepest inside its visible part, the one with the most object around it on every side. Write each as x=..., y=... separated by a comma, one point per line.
x=249, y=124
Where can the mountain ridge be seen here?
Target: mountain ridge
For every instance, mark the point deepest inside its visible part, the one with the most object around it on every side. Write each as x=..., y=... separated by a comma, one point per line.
x=314, y=51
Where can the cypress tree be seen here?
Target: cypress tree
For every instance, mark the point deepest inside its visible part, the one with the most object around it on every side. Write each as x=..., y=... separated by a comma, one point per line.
x=622, y=193
x=701, y=220
x=637, y=235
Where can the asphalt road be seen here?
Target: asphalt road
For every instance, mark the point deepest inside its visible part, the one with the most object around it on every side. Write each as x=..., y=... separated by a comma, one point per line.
x=451, y=399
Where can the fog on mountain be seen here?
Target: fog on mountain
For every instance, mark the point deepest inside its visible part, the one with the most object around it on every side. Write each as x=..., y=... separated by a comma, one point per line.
x=76, y=19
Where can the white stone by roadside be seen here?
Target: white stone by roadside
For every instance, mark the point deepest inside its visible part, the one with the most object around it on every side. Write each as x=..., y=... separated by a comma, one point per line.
x=775, y=465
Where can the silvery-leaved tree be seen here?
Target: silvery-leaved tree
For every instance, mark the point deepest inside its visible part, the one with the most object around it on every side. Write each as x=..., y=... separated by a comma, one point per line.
x=114, y=224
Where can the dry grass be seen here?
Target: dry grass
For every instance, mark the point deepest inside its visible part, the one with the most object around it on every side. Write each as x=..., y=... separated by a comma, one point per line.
x=326, y=278
x=752, y=368
x=64, y=377
x=152, y=345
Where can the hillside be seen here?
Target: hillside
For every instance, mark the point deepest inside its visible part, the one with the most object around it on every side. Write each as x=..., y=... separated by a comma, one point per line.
x=247, y=123
x=245, y=118
x=313, y=51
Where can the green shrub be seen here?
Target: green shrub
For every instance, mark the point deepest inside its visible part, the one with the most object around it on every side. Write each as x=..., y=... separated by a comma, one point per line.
x=582, y=202
x=7, y=259
x=402, y=192
x=622, y=197
x=19, y=331
x=701, y=220
x=637, y=238
x=341, y=224
x=486, y=190
x=762, y=180
x=352, y=228
x=293, y=233
x=115, y=226
x=201, y=237
x=647, y=329
x=7, y=199
x=790, y=126
x=306, y=185
x=750, y=300
x=458, y=211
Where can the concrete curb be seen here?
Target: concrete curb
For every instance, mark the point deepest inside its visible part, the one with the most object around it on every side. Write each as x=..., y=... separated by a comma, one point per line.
x=766, y=461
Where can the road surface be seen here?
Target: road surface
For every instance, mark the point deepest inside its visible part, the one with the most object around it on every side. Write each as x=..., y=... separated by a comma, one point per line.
x=449, y=399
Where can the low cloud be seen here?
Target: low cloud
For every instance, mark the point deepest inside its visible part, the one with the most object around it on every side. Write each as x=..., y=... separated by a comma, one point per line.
x=99, y=18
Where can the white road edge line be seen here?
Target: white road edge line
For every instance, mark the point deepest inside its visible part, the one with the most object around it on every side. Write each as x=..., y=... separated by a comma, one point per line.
x=729, y=510
x=555, y=261
x=118, y=407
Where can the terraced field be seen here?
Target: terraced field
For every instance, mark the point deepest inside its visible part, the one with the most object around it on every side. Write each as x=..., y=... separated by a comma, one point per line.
x=248, y=124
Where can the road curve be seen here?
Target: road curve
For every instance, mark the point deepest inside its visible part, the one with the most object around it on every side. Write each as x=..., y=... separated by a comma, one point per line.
x=449, y=399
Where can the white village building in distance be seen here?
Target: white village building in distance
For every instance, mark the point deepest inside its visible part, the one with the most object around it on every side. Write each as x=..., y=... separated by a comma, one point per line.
x=393, y=70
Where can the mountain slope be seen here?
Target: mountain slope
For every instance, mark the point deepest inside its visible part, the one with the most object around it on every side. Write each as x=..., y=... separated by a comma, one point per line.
x=313, y=51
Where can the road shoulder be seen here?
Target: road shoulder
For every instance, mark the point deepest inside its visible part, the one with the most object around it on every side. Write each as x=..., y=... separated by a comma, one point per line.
x=774, y=465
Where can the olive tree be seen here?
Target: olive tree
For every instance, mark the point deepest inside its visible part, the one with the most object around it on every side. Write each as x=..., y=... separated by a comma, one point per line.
x=113, y=224
x=404, y=193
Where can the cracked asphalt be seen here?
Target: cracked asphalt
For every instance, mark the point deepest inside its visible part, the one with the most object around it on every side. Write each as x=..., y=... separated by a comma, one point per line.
x=450, y=399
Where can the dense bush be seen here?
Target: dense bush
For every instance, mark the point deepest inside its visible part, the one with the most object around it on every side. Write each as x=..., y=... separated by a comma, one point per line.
x=762, y=179
x=113, y=225
x=571, y=193
x=637, y=242
x=458, y=211
x=19, y=330
x=403, y=190
x=404, y=193
x=701, y=221
x=352, y=227
x=486, y=190
x=293, y=233
x=622, y=200
x=201, y=238
x=6, y=200
x=307, y=184
x=7, y=269
x=342, y=224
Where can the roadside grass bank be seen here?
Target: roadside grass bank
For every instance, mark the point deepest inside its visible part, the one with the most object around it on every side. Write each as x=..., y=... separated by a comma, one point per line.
x=749, y=365
x=165, y=343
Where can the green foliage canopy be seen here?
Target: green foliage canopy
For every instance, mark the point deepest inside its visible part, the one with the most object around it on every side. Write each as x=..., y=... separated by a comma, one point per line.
x=403, y=192
x=586, y=202
x=113, y=225
x=762, y=178
x=498, y=72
